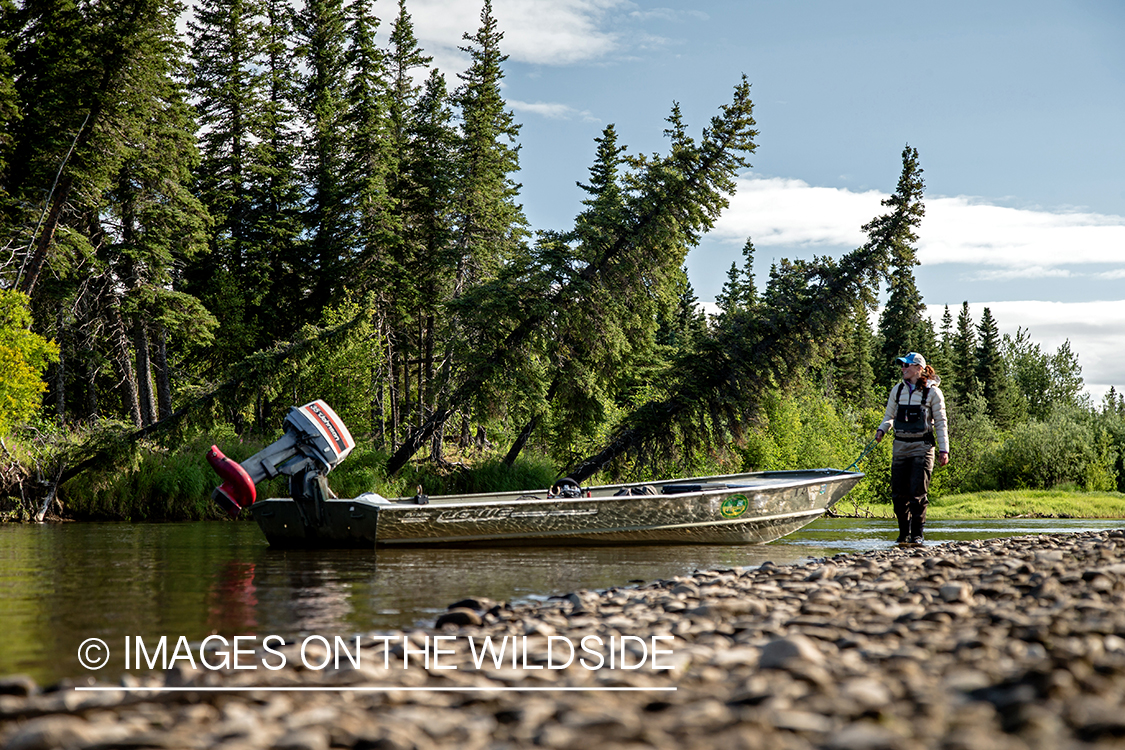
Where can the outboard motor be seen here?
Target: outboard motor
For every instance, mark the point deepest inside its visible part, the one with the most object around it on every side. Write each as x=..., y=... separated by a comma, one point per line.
x=314, y=442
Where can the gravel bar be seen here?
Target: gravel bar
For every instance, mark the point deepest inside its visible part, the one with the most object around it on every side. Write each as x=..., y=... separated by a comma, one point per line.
x=1000, y=643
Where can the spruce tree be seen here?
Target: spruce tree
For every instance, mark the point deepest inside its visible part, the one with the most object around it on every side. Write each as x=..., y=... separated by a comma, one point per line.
x=963, y=364
x=738, y=290
x=9, y=102
x=275, y=185
x=370, y=147
x=900, y=325
x=490, y=221
x=943, y=352
x=320, y=29
x=854, y=374
x=716, y=391
x=669, y=201
x=235, y=278
x=991, y=371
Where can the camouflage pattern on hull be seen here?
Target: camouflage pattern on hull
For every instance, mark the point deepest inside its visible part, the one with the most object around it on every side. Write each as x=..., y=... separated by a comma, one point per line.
x=733, y=509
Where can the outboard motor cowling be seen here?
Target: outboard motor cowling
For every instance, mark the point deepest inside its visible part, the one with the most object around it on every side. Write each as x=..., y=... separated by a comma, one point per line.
x=315, y=441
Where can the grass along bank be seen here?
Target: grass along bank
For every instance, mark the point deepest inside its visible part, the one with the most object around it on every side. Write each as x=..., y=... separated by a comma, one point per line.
x=1057, y=503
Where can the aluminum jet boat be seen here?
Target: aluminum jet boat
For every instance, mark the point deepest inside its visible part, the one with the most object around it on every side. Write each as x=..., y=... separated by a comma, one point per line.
x=730, y=509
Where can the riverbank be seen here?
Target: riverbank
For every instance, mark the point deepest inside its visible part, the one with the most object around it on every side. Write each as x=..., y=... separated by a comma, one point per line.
x=1028, y=504
x=1006, y=643
x=979, y=506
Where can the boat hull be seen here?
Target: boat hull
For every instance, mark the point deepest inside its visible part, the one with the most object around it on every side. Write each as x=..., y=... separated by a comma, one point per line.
x=733, y=509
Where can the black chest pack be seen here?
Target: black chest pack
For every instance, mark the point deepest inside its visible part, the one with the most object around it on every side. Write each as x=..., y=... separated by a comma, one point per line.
x=911, y=417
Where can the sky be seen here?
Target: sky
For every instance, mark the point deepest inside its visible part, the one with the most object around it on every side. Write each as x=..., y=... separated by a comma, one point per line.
x=1017, y=110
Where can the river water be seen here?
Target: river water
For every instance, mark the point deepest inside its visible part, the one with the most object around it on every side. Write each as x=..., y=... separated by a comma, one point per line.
x=61, y=584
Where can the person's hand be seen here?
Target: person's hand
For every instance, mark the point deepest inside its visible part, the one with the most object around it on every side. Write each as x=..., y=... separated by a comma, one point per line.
x=878, y=436
x=943, y=458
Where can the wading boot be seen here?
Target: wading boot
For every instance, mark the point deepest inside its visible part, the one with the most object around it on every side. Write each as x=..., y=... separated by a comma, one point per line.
x=903, y=531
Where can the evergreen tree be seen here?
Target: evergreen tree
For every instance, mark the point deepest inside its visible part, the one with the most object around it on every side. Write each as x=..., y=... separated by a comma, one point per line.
x=235, y=279
x=9, y=102
x=370, y=154
x=720, y=388
x=112, y=154
x=415, y=264
x=320, y=29
x=738, y=291
x=490, y=222
x=991, y=372
x=901, y=324
x=942, y=357
x=69, y=63
x=160, y=224
x=669, y=202
x=490, y=227
x=276, y=188
x=963, y=364
x=854, y=374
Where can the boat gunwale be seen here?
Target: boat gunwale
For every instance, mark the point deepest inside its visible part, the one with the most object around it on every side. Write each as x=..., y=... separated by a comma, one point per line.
x=524, y=497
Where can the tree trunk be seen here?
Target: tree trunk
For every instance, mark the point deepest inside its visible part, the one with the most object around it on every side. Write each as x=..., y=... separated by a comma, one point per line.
x=162, y=374
x=525, y=433
x=89, y=378
x=144, y=374
x=127, y=379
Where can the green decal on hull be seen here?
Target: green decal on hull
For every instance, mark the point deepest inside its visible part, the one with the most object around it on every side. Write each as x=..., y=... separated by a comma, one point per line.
x=734, y=506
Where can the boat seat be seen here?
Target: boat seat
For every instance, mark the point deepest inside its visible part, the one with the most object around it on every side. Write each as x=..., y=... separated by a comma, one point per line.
x=646, y=489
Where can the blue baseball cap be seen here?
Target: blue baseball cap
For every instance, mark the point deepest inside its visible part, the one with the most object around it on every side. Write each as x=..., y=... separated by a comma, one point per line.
x=914, y=358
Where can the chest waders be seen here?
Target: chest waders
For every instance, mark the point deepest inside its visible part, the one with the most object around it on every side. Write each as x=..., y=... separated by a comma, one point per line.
x=912, y=418
x=910, y=476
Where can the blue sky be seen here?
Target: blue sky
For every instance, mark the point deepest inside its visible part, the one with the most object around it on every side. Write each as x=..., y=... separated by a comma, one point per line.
x=1017, y=110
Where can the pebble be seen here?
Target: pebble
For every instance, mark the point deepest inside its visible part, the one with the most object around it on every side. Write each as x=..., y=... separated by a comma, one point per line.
x=1002, y=644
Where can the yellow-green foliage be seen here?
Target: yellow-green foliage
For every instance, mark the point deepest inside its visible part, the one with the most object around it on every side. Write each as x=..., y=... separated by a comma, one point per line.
x=23, y=358
x=799, y=431
x=1030, y=504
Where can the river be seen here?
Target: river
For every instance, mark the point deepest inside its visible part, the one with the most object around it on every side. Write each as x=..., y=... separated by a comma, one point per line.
x=61, y=584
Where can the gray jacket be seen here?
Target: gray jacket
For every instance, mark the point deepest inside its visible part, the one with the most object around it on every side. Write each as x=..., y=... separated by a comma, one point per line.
x=933, y=411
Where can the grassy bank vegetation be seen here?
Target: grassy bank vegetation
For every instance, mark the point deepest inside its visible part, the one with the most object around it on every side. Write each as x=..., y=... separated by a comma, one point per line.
x=152, y=483
x=1056, y=503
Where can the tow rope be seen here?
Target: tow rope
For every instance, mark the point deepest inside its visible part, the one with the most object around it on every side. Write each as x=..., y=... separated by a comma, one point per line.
x=870, y=446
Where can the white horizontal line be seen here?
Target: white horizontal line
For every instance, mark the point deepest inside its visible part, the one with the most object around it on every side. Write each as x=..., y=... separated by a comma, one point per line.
x=363, y=689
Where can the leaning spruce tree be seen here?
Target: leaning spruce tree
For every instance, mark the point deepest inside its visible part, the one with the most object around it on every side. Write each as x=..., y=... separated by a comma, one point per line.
x=670, y=200
x=718, y=387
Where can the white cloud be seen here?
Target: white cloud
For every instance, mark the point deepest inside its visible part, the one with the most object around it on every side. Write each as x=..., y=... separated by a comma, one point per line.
x=1030, y=272
x=1003, y=244
x=779, y=211
x=1096, y=331
x=1016, y=243
x=550, y=110
x=559, y=32
x=960, y=230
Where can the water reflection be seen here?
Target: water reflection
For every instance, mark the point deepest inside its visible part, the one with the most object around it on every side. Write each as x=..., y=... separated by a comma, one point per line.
x=233, y=599
x=61, y=584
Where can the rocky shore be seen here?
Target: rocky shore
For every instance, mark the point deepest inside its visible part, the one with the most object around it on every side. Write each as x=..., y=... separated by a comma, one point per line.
x=1006, y=643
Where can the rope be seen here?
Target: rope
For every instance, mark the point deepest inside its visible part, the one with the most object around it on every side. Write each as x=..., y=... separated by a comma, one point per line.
x=870, y=446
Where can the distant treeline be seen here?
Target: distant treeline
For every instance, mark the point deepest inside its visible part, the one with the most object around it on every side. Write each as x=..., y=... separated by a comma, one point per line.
x=201, y=231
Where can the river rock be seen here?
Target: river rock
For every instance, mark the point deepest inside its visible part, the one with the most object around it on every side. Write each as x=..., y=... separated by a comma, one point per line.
x=783, y=653
x=459, y=616
x=51, y=732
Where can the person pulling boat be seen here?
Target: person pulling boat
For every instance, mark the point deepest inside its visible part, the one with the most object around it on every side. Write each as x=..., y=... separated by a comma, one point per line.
x=916, y=411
